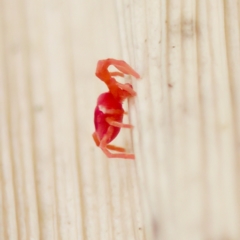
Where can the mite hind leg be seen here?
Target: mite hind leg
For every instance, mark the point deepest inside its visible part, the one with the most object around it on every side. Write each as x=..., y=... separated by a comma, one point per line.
x=103, y=145
x=108, y=146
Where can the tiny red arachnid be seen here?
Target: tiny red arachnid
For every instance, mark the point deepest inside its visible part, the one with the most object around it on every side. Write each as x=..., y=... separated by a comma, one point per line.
x=109, y=112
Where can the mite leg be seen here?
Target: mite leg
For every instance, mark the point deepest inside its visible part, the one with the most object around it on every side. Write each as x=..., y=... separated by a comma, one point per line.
x=118, y=124
x=114, y=111
x=123, y=67
x=115, y=148
x=96, y=139
x=108, y=146
x=103, y=146
x=127, y=88
x=103, y=73
x=116, y=74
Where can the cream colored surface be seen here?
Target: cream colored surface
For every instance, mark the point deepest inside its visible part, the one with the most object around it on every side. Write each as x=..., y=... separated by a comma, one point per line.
x=187, y=115
x=184, y=184
x=54, y=182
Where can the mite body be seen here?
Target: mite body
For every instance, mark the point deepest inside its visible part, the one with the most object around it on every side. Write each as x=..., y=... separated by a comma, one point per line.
x=108, y=115
x=107, y=109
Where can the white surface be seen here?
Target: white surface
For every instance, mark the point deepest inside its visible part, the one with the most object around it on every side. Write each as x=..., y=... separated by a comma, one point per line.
x=186, y=114
x=54, y=182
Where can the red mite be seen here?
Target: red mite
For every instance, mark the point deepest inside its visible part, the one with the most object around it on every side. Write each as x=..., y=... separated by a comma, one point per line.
x=109, y=112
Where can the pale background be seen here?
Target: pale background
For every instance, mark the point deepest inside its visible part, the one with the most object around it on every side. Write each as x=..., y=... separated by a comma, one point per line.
x=56, y=184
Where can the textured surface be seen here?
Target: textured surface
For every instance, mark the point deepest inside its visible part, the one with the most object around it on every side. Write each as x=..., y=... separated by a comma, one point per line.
x=54, y=182
x=187, y=114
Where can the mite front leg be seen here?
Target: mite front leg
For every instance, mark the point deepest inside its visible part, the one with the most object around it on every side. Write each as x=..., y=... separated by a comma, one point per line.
x=103, y=73
x=116, y=74
x=123, y=67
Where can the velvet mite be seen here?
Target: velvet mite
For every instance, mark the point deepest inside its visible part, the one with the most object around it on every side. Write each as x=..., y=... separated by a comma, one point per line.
x=108, y=115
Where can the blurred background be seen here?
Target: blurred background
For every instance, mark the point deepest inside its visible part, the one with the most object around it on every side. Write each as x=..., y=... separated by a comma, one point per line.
x=56, y=184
